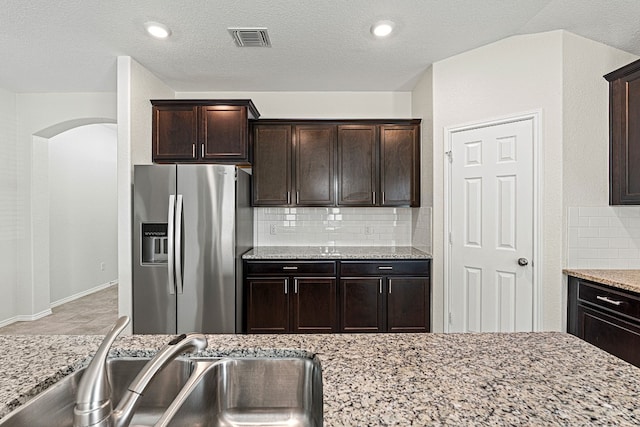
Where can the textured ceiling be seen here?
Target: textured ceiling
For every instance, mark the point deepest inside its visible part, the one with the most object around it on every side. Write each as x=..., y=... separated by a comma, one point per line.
x=321, y=45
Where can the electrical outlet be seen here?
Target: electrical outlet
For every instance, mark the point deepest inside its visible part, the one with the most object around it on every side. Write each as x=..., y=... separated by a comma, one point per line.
x=102, y=266
x=273, y=229
x=368, y=230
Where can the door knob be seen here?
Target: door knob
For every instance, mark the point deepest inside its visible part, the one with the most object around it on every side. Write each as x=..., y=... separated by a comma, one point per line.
x=522, y=262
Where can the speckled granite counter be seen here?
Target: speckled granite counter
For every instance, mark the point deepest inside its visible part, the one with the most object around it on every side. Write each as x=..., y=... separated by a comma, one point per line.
x=396, y=379
x=623, y=279
x=336, y=252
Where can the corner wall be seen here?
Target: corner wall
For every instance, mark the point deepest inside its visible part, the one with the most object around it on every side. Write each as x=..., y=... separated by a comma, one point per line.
x=9, y=213
x=136, y=86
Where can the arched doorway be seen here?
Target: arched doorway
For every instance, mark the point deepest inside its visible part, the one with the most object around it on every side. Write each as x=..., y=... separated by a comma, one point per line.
x=41, y=294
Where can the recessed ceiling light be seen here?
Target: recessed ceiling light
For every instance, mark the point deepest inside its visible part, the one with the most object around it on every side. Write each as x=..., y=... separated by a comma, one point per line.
x=382, y=28
x=157, y=30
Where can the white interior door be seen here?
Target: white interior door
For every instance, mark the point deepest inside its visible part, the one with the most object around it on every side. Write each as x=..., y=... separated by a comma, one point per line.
x=491, y=226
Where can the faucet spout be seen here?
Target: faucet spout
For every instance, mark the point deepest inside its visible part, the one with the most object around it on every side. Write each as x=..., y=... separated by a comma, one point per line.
x=184, y=343
x=93, y=403
x=93, y=400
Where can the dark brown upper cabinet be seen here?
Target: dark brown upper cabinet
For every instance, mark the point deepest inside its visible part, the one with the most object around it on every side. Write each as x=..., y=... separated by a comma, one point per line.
x=272, y=167
x=399, y=165
x=358, y=165
x=336, y=163
x=314, y=147
x=202, y=130
x=624, y=135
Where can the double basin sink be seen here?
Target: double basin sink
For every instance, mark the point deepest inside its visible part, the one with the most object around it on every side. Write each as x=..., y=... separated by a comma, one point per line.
x=230, y=392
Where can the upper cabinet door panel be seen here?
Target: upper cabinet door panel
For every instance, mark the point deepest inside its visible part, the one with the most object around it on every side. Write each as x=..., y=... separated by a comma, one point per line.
x=399, y=165
x=224, y=133
x=357, y=165
x=272, y=165
x=624, y=135
x=314, y=165
x=175, y=132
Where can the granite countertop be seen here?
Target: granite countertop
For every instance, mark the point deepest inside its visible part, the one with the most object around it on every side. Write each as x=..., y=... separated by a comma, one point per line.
x=623, y=279
x=336, y=252
x=394, y=379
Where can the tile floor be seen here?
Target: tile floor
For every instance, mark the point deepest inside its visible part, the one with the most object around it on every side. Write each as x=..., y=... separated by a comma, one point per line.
x=92, y=314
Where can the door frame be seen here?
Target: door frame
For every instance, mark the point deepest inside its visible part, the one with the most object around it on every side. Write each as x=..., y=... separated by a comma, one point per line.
x=536, y=263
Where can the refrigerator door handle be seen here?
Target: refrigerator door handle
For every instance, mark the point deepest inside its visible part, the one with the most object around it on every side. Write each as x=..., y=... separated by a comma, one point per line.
x=170, y=244
x=178, y=247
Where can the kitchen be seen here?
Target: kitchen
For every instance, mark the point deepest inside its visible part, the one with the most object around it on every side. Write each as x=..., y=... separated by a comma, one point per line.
x=545, y=70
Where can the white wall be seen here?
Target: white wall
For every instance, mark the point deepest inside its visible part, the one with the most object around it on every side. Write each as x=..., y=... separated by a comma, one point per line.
x=40, y=116
x=422, y=108
x=318, y=105
x=82, y=211
x=515, y=75
x=8, y=204
x=136, y=86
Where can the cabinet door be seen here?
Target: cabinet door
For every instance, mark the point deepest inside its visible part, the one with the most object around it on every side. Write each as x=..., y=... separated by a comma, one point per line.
x=615, y=336
x=357, y=165
x=408, y=304
x=400, y=165
x=267, y=305
x=175, y=133
x=313, y=305
x=223, y=133
x=314, y=165
x=624, y=125
x=361, y=305
x=272, y=165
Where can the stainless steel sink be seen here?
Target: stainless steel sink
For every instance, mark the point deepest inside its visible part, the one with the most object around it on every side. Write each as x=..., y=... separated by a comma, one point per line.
x=54, y=406
x=256, y=392
x=231, y=392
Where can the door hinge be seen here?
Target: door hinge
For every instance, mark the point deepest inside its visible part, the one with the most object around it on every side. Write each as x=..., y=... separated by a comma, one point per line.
x=450, y=239
x=449, y=155
x=450, y=318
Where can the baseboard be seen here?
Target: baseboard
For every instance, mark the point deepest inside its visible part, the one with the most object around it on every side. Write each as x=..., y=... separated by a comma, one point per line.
x=83, y=293
x=25, y=318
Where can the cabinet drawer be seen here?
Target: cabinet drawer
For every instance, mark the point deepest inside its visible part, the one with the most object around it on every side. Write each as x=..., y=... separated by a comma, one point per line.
x=384, y=268
x=611, y=300
x=293, y=268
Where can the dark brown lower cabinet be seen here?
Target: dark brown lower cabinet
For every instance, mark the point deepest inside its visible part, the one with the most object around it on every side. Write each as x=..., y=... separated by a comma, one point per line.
x=295, y=301
x=606, y=317
x=389, y=301
x=308, y=297
x=384, y=304
x=361, y=305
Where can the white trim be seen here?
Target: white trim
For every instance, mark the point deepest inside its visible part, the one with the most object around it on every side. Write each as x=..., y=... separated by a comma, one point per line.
x=25, y=318
x=536, y=117
x=83, y=293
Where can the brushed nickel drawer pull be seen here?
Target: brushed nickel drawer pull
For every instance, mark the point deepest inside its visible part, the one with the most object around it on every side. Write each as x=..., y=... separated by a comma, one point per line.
x=289, y=268
x=380, y=285
x=286, y=286
x=295, y=286
x=385, y=268
x=607, y=299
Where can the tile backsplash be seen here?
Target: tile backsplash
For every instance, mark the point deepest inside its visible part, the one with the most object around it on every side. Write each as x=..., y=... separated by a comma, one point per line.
x=603, y=237
x=341, y=226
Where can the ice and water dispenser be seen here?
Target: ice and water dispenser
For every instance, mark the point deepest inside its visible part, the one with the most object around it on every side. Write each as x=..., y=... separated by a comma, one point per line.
x=155, y=243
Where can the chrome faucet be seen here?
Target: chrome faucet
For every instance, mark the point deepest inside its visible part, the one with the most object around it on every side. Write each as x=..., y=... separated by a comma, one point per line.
x=93, y=399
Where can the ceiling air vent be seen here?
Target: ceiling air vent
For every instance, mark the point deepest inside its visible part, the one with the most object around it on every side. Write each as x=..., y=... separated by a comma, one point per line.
x=250, y=37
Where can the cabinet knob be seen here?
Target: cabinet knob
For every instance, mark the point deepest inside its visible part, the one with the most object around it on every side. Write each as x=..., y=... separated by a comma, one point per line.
x=522, y=262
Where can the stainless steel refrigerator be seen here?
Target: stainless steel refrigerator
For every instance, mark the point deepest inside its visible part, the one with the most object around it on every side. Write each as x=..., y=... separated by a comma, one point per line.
x=191, y=225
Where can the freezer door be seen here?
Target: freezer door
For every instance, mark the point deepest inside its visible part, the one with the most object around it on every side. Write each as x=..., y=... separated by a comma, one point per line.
x=154, y=305
x=206, y=290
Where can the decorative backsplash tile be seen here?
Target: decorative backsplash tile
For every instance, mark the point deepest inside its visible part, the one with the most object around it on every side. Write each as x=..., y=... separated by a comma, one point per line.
x=335, y=226
x=603, y=237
